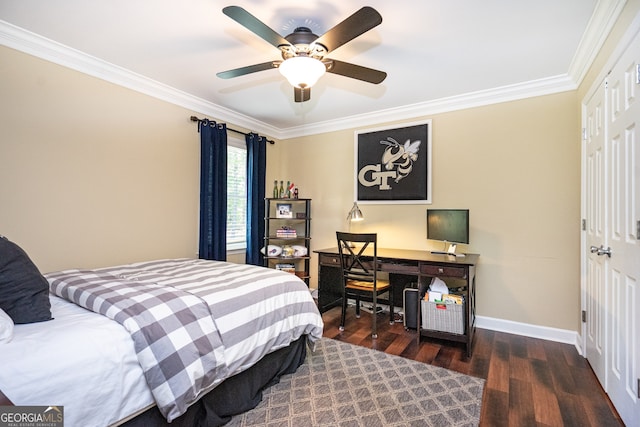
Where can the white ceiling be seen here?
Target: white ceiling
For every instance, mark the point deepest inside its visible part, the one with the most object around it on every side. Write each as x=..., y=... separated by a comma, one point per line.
x=439, y=54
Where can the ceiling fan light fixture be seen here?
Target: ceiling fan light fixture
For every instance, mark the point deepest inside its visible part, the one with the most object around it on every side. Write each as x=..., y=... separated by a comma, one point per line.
x=302, y=71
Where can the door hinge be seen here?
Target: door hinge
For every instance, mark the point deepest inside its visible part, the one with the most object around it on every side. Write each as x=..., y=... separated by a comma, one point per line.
x=638, y=230
x=584, y=316
x=584, y=134
x=637, y=74
x=584, y=225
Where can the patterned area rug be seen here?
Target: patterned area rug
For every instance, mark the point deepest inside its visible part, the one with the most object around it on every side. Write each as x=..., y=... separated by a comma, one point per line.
x=343, y=385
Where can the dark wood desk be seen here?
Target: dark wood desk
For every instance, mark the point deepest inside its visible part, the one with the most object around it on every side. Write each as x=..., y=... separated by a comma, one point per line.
x=412, y=268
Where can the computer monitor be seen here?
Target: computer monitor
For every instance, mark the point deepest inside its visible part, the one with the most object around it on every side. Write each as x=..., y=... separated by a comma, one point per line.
x=449, y=226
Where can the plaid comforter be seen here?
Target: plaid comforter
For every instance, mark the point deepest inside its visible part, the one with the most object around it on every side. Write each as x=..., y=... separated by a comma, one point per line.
x=195, y=323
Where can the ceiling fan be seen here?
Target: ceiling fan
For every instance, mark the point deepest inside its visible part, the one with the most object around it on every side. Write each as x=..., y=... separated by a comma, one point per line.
x=304, y=58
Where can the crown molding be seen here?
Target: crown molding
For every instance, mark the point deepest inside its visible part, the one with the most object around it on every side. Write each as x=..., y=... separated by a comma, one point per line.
x=513, y=92
x=33, y=44
x=602, y=20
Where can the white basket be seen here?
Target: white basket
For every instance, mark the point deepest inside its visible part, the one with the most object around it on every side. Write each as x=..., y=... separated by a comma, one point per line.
x=443, y=317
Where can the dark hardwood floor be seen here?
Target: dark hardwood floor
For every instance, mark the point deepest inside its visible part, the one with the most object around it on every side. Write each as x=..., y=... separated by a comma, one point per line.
x=529, y=382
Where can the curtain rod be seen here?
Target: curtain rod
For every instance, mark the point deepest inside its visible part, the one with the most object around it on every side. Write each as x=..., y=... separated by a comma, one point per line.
x=195, y=119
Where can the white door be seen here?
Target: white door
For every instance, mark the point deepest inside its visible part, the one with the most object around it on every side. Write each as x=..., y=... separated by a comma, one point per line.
x=595, y=211
x=623, y=145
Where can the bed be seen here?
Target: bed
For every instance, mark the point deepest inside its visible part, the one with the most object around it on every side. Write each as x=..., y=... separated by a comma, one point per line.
x=179, y=341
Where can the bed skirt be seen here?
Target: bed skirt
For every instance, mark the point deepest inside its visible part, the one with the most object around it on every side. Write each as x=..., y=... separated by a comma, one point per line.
x=235, y=395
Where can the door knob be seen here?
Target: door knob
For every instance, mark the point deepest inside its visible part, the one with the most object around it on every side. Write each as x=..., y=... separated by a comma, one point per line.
x=600, y=250
x=603, y=251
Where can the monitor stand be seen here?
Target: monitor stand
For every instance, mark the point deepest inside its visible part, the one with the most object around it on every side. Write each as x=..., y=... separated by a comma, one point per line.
x=450, y=251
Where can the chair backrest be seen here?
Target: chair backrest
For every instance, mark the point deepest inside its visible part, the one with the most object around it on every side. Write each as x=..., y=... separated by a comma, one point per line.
x=358, y=263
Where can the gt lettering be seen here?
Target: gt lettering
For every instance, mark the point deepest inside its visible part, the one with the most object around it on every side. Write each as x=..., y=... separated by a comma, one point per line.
x=371, y=175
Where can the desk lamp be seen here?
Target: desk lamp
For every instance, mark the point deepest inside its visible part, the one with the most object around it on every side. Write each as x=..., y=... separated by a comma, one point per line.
x=355, y=214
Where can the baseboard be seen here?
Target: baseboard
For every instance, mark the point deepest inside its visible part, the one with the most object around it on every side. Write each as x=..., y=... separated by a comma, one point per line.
x=528, y=330
x=517, y=328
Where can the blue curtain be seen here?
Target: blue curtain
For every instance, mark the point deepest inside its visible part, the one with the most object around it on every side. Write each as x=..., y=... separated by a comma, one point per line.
x=256, y=171
x=213, y=190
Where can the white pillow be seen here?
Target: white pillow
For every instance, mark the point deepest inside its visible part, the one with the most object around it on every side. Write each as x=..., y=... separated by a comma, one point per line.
x=6, y=327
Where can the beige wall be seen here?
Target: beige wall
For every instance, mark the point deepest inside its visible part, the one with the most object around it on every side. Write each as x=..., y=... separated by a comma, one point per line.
x=86, y=182
x=515, y=165
x=92, y=174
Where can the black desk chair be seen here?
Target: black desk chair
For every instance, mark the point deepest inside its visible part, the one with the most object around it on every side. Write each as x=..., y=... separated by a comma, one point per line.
x=360, y=274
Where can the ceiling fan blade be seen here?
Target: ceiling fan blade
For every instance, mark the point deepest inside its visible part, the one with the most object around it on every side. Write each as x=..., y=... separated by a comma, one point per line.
x=355, y=71
x=359, y=23
x=254, y=25
x=248, y=69
x=301, y=95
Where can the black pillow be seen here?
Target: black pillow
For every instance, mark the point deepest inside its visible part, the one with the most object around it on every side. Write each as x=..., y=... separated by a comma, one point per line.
x=24, y=292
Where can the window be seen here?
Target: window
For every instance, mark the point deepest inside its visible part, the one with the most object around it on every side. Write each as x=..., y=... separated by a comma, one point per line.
x=236, y=194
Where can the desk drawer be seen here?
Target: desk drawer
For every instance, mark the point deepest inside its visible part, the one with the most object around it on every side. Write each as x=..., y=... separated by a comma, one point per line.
x=331, y=260
x=392, y=267
x=443, y=270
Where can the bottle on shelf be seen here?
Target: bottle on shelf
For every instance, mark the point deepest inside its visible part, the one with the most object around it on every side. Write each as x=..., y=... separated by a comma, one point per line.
x=287, y=192
x=281, y=193
x=276, y=192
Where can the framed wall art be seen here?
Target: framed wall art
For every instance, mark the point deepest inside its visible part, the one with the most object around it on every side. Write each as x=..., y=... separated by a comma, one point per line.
x=393, y=164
